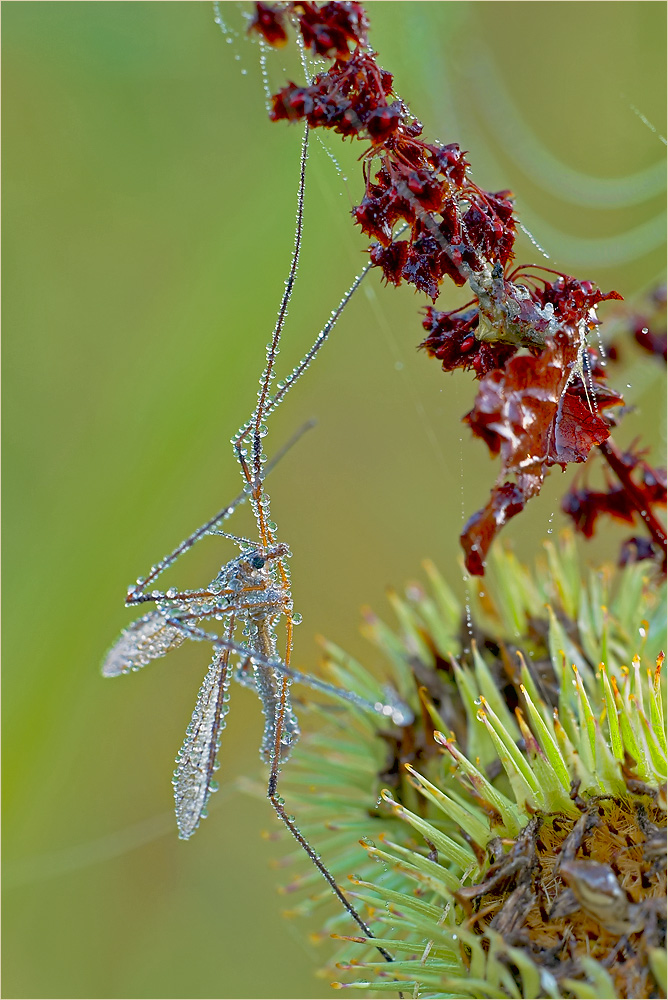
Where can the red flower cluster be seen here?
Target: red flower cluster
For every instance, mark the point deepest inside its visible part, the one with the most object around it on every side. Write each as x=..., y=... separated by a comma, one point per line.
x=326, y=30
x=510, y=314
x=537, y=409
x=452, y=339
x=350, y=99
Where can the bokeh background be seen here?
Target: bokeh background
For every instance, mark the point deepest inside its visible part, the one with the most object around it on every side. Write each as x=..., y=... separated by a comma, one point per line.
x=148, y=224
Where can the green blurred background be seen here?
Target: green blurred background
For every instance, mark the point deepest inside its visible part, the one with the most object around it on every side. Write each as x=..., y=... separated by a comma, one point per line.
x=148, y=223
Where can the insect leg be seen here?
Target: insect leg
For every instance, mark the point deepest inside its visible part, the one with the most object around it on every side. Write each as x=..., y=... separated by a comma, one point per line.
x=279, y=808
x=156, y=596
x=393, y=709
x=255, y=479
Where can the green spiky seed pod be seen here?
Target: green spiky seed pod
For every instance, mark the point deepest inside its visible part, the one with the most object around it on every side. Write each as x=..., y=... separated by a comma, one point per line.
x=511, y=840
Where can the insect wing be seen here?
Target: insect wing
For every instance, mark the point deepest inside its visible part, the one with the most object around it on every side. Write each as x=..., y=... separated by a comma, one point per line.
x=196, y=761
x=146, y=639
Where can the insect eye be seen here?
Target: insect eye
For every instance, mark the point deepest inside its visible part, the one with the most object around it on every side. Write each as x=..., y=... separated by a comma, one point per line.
x=257, y=562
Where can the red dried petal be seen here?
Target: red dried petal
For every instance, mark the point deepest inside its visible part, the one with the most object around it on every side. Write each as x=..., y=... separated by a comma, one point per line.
x=575, y=432
x=376, y=218
x=526, y=413
x=426, y=188
x=383, y=122
x=505, y=502
x=489, y=225
x=328, y=29
x=392, y=259
x=292, y=103
x=491, y=356
x=531, y=415
x=450, y=338
x=451, y=161
x=572, y=299
x=267, y=21
x=413, y=129
x=422, y=266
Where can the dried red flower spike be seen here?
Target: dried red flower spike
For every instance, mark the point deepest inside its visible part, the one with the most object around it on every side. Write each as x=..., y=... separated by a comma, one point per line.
x=457, y=228
x=542, y=392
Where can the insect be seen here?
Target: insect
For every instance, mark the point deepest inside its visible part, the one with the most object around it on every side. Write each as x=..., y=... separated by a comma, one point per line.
x=251, y=596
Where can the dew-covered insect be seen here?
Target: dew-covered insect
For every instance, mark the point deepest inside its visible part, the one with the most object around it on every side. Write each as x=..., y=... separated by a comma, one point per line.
x=251, y=596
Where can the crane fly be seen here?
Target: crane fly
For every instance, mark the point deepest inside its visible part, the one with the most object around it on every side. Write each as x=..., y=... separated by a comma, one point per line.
x=251, y=596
